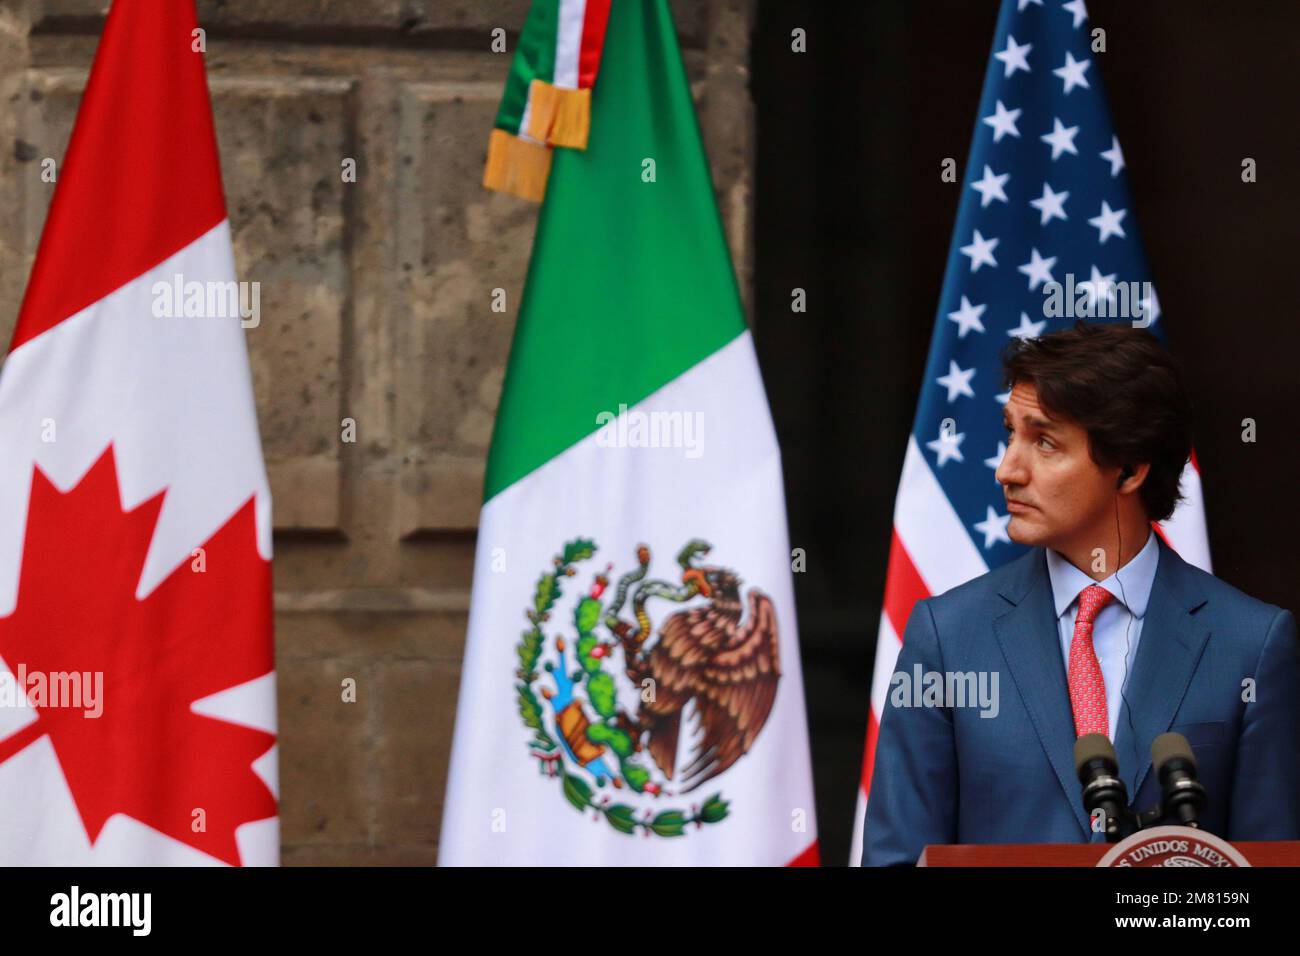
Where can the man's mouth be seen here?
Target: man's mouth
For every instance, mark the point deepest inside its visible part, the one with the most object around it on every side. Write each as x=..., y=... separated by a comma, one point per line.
x=1017, y=506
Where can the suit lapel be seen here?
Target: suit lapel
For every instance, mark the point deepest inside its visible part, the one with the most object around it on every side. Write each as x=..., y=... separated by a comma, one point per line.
x=1031, y=644
x=1169, y=649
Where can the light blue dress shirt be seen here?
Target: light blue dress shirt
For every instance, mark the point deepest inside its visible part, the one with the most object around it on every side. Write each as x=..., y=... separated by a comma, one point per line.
x=1115, y=654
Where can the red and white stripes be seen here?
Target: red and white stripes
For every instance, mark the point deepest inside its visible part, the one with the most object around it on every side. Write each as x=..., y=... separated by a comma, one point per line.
x=578, y=43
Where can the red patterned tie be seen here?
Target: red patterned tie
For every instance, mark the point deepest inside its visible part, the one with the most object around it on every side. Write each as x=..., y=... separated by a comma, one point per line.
x=1087, y=689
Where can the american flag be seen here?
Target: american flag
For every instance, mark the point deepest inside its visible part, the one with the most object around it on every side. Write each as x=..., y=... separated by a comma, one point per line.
x=1044, y=200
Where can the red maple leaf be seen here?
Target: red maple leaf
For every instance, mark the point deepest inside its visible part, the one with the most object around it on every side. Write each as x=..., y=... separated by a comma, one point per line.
x=148, y=755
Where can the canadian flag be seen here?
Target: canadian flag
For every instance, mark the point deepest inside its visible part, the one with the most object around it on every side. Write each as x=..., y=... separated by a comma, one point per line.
x=137, y=682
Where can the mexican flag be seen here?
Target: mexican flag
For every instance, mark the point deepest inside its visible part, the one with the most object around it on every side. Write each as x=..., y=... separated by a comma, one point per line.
x=631, y=691
x=137, y=690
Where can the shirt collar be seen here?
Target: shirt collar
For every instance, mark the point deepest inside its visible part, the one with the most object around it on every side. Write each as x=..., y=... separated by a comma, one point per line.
x=1137, y=577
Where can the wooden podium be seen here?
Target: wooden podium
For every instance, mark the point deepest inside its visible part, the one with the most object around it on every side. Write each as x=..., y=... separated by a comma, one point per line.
x=1277, y=853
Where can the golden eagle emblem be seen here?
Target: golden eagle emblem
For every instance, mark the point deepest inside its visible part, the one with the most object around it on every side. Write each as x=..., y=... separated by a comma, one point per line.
x=717, y=658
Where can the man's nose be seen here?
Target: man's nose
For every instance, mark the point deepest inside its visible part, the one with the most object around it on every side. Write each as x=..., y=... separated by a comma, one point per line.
x=1010, y=470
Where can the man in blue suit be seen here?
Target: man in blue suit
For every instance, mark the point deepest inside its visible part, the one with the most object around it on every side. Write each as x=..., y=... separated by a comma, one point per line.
x=1101, y=628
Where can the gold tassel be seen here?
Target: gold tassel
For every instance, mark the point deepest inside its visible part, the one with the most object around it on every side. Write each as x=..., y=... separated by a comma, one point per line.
x=517, y=166
x=559, y=116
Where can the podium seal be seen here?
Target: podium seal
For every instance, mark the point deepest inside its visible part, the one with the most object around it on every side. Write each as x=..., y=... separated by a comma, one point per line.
x=1173, y=846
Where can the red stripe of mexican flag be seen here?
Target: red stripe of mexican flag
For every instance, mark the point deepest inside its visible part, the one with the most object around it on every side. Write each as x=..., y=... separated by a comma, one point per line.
x=596, y=16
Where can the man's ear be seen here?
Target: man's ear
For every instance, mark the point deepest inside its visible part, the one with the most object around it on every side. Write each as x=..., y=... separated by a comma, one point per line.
x=1131, y=477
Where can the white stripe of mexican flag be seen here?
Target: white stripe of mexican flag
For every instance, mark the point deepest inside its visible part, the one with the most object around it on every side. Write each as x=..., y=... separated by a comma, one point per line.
x=499, y=807
x=568, y=43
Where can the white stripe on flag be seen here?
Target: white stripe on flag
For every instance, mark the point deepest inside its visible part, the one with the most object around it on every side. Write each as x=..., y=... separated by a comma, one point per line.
x=568, y=43
x=937, y=542
x=888, y=644
x=527, y=117
x=1186, y=529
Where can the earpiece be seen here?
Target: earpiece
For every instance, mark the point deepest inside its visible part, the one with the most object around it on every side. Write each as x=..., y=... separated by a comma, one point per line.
x=1125, y=474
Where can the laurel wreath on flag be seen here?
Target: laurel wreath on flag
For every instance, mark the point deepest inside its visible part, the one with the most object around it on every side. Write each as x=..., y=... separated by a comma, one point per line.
x=599, y=686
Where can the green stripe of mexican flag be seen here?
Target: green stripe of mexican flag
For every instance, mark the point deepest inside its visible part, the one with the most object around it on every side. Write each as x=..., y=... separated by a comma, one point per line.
x=631, y=691
x=630, y=281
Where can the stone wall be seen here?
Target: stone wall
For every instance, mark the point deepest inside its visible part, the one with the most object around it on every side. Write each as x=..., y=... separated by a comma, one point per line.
x=375, y=307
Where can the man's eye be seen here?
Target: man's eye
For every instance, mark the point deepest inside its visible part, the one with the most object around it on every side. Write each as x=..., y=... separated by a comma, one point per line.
x=1006, y=426
x=1045, y=442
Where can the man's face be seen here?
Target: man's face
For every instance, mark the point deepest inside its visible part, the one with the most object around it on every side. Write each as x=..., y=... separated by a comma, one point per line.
x=1057, y=495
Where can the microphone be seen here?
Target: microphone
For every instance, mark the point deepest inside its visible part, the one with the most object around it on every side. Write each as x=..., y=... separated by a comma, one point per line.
x=1182, y=796
x=1098, y=769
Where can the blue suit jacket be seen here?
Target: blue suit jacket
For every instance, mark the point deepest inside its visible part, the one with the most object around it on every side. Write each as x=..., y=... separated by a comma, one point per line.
x=948, y=775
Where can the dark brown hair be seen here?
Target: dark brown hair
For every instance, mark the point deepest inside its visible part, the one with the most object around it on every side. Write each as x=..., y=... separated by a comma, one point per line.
x=1124, y=389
